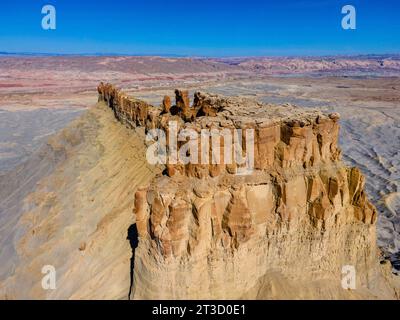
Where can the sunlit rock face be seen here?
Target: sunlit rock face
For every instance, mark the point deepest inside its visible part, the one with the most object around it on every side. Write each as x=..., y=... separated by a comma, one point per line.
x=283, y=230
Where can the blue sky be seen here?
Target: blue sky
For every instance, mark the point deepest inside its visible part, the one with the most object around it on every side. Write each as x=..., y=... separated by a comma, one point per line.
x=211, y=28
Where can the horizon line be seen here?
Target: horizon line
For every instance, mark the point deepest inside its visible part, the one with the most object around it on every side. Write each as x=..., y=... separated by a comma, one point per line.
x=162, y=55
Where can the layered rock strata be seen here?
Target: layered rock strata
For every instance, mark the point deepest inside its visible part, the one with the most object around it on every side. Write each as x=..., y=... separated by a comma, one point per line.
x=300, y=215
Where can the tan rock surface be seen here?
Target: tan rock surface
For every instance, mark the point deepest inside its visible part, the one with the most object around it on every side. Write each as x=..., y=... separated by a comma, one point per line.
x=77, y=214
x=285, y=231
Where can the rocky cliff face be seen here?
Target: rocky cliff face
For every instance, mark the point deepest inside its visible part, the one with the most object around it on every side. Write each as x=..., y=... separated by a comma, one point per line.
x=289, y=226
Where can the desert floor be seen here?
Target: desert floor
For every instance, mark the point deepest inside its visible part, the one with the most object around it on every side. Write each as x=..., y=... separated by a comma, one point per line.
x=39, y=97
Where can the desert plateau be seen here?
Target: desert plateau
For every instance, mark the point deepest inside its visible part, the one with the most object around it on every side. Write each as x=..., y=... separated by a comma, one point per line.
x=78, y=193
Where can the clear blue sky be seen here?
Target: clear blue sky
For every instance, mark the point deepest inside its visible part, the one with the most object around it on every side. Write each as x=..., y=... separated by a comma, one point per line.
x=213, y=28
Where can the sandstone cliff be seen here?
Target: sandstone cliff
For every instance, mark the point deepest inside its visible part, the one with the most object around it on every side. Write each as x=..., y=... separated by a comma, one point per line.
x=283, y=231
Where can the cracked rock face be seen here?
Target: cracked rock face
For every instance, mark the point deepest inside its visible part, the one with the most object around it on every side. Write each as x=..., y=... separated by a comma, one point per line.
x=292, y=223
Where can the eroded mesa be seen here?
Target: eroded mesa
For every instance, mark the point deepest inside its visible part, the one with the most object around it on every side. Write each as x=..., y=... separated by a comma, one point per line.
x=300, y=216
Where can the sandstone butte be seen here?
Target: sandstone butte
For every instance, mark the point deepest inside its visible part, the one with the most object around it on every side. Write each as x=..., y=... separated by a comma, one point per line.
x=284, y=231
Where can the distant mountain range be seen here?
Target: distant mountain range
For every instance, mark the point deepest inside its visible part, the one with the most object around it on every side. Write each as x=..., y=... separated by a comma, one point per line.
x=100, y=54
x=47, y=54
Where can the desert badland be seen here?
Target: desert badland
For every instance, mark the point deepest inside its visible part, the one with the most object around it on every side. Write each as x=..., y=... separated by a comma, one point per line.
x=74, y=178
